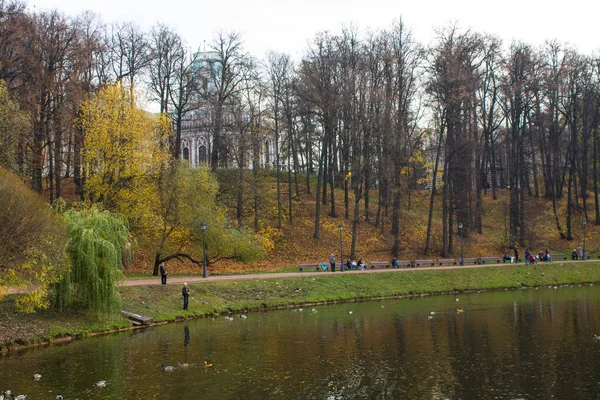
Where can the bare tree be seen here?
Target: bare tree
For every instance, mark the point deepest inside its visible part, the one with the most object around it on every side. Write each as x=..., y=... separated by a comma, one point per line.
x=226, y=66
x=278, y=65
x=183, y=94
x=130, y=52
x=166, y=51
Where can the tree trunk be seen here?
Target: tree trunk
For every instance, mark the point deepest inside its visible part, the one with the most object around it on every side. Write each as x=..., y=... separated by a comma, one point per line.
x=432, y=196
x=58, y=152
x=355, y=220
x=595, y=173
x=318, y=190
x=277, y=166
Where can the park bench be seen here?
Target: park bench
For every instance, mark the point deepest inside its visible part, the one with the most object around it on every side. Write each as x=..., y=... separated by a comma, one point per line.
x=558, y=257
x=302, y=267
x=404, y=263
x=431, y=263
x=443, y=261
x=470, y=260
x=379, y=264
x=483, y=260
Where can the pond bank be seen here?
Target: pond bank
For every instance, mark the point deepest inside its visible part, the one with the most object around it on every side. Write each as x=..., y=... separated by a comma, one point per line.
x=163, y=303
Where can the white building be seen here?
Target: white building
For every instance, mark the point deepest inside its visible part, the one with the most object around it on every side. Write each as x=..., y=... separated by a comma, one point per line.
x=198, y=126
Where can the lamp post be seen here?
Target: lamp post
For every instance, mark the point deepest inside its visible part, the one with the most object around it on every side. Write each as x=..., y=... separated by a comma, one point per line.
x=462, y=253
x=342, y=264
x=204, y=270
x=584, y=222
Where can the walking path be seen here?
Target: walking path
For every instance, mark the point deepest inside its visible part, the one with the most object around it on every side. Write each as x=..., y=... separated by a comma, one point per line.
x=195, y=278
x=178, y=280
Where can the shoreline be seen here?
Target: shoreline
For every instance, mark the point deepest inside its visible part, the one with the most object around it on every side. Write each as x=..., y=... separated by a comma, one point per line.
x=162, y=302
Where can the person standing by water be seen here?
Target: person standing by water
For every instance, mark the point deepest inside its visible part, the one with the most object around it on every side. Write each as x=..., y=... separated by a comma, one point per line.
x=185, y=293
x=163, y=273
x=332, y=262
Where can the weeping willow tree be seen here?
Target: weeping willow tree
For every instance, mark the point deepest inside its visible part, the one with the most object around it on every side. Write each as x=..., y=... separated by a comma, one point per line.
x=97, y=240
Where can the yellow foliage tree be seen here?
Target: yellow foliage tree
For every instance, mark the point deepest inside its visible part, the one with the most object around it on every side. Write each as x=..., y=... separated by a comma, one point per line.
x=32, y=243
x=126, y=148
x=187, y=198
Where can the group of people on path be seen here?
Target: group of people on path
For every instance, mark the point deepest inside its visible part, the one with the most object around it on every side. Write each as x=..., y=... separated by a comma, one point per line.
x=529, y=257
x=185, y=290
x=350, y=264
x=577, y=254
x=541, y=256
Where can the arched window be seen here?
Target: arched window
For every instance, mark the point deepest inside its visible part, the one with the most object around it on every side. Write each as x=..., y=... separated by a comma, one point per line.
x=202, y=155
x=186, y=154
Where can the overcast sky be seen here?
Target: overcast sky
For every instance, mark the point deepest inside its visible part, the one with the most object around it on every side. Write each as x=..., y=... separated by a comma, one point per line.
x=288, y=25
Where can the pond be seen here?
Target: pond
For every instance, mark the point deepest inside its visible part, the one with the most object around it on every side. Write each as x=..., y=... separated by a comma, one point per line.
x=517, y=344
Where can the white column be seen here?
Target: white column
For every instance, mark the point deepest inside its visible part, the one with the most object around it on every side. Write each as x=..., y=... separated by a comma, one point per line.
x=193, y=151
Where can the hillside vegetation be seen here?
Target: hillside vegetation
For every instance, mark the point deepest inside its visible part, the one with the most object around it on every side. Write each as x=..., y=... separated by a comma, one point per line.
x=295, y=243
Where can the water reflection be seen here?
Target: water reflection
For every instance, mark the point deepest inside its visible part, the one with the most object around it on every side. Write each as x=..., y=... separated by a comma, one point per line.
x=533, y=344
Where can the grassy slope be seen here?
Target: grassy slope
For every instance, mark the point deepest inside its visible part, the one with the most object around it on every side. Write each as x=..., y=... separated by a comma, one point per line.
x=164, y=303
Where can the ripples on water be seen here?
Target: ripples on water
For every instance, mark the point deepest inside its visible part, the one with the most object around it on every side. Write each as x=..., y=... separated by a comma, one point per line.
x=525, y=344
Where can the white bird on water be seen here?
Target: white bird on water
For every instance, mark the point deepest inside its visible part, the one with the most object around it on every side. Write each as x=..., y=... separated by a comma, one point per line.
x=37, y=377
x=100, y=384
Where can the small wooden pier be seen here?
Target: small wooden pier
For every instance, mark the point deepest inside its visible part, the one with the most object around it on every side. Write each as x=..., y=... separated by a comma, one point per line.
x=137, y=319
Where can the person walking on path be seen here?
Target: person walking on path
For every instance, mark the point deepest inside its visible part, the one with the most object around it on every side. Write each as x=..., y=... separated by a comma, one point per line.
x=185, y=293
x=527, y=257
x=332, y=262
x=163, y=273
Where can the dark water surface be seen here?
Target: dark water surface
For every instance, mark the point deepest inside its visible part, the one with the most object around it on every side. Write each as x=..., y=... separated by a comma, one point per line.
x=520, y=344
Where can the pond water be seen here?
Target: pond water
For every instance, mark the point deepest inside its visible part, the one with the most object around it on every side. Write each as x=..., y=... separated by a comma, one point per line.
x=519, y=344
